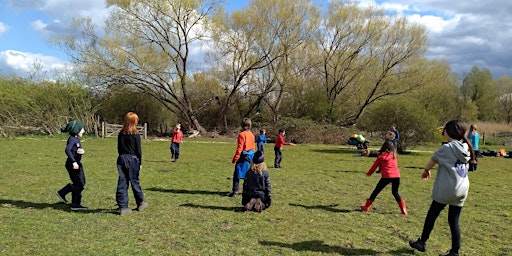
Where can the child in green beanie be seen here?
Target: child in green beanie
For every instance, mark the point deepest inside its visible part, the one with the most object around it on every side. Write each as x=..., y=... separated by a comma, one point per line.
x=74, y=152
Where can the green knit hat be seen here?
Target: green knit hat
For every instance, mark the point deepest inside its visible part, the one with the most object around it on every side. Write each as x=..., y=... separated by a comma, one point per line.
x=74, y=127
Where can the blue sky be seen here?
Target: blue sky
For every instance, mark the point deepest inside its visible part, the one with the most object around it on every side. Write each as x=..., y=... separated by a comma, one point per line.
x=464, y=33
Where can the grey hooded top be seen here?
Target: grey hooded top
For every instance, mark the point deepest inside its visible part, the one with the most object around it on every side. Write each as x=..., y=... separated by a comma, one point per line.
x=452, y=183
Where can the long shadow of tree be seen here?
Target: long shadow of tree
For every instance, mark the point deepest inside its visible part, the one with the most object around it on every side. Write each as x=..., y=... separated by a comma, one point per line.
x=329, y=208
x=347, y=151
x=6, y=203
x=320, y=246
x=192, y=192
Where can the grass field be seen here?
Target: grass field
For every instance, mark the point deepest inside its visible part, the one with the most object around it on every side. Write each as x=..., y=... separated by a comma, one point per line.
x=315, y=211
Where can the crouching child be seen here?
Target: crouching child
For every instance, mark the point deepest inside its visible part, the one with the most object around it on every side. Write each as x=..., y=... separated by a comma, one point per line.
x=257, y=189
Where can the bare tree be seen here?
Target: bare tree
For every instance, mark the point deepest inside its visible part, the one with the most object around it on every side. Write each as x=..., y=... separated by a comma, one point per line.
x=250, y=43
x=366, y=49
x=145, y=44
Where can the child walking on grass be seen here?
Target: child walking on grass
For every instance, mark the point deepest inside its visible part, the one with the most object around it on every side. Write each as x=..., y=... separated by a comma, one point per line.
x=387, y=161
x=177, y=138
x=257, y=193
x=261, y=140
x=74, y=152
x=243, y=155
x=451, y=184
x=129, y=164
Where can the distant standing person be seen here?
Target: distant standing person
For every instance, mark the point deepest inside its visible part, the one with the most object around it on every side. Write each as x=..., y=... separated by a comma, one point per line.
x=129, y=164
x=257, y=193
x=243, y=155
x=451, y=184
x=278, y=146
x=387, y=162
x=474, y=138
x=397, y=135
x=177, y=138
x=261, y=140
x=74, y=152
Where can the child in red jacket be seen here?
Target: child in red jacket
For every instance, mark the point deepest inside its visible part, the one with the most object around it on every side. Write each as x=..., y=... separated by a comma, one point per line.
x=388, y=163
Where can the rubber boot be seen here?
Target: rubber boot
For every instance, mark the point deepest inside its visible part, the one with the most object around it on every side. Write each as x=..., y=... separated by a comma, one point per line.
x=366, y=207
x=401, y=203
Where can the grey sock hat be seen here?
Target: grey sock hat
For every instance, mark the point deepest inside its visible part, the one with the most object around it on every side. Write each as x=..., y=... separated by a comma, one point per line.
x=74, y=127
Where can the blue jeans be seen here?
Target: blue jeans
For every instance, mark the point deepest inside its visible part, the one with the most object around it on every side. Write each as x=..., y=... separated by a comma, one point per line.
x=261, y=147
x=128, y=167
x=175, y=150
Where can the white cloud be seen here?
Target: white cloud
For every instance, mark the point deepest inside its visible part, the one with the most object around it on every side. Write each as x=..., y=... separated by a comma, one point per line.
x=21, y=63
x=3, y=28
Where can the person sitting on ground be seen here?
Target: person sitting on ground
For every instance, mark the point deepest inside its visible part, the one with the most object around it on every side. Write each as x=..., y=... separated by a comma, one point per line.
x=257, y=189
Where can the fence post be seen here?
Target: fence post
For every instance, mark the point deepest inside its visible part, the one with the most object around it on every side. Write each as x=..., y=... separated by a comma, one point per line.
x=103, y=129
x=145, y=130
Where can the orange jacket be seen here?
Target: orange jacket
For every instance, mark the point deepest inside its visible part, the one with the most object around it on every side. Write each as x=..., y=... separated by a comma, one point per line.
x=245, y=142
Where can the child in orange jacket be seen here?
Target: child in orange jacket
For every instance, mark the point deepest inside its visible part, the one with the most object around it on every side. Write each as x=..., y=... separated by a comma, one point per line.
x=387, y=161
x=243, y=155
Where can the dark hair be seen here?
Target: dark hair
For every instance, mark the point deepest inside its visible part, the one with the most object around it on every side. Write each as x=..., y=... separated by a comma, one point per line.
x=388, y=146
x=262, y=131
x=457, y=129
x=281, y=130
x=246, y=123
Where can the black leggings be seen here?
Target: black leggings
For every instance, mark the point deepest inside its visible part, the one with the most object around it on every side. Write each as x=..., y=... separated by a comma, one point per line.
x=383, y=182
x=453, y=221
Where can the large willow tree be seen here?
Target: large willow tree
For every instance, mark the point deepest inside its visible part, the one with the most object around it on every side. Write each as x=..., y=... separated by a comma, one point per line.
x=145, y=44
x=361, y=55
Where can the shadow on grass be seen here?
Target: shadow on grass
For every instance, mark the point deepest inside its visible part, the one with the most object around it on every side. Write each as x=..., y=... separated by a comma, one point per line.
x=213, y=207
x=192, y=192
x=320, y=246
x=57, y=206
x=337, y=151
x=329, y=208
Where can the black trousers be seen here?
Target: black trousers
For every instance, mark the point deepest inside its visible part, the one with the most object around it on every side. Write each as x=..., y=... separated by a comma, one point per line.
x=77, y=177
x=383, y=182
x=279, y=157
x=453, y=220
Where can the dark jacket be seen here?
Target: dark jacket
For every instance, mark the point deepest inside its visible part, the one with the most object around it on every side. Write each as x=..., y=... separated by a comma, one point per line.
x=257, y=186
x=72, y=146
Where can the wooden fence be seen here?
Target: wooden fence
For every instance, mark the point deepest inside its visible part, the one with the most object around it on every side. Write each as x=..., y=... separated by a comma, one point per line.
x=111, y=130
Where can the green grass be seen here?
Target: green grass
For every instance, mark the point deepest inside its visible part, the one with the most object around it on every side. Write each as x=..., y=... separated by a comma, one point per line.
x=315, y=207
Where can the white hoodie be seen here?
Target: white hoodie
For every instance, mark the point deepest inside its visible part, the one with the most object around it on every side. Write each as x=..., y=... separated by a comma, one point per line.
x=452, y=183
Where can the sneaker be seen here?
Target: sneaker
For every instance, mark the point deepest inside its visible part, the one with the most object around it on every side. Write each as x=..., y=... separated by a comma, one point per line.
x=143, y=205
x=257, y=206
x=233, y=194
x=449, y=253
x=124, y=211
x=79, y=208
x=61, y=198
x=418, y=245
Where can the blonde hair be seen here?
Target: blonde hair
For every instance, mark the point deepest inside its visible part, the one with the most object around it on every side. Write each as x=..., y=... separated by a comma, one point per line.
x=390, y=135
x=130, y=123
x=258, y=168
